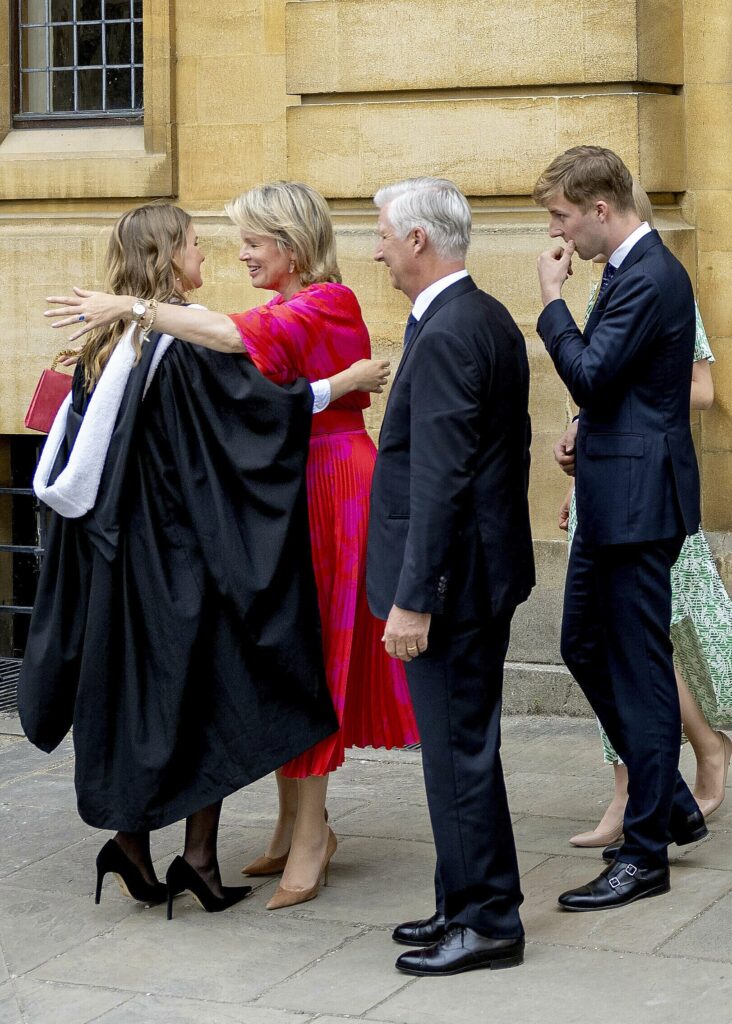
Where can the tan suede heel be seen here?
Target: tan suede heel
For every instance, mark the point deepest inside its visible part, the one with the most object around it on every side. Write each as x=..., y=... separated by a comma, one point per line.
x=290, y=897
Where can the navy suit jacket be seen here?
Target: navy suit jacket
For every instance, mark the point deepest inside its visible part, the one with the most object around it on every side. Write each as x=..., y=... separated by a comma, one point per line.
x=453, y=462
x=630, y=373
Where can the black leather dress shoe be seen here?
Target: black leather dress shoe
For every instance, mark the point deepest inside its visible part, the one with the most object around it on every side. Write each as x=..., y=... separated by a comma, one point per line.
x=462, y=949
x=420, y=933
x=618, y=885
x=691, y=830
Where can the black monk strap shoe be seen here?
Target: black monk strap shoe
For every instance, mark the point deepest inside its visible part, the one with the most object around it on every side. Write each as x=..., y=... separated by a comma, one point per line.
x=691, y=830
x=618, y=885
x=461, y=949
x=420, y=933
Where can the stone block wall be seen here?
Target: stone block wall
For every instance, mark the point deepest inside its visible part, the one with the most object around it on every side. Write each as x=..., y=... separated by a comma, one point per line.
x=349, y=94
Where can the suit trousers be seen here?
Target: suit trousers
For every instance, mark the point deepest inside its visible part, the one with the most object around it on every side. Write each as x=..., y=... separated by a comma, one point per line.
x=616, y=644
x=456, y=688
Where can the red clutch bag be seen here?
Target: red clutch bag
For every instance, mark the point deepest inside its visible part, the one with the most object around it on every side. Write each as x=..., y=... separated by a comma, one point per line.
x=50, y=392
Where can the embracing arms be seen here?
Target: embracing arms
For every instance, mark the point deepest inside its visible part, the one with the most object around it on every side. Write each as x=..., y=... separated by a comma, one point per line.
x=193, y=324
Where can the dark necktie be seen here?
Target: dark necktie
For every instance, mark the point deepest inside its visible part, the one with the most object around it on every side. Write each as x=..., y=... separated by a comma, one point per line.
x=607, y=276
x=409, y=330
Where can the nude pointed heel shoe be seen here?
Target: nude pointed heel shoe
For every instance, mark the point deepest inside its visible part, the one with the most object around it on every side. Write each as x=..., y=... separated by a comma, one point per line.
x=708, y=807
x=265, y=865
x=595, y=838
x=291, y=897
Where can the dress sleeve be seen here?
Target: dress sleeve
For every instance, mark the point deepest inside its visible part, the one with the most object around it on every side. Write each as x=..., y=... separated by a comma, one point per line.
x=702, y=349
x=271, y=335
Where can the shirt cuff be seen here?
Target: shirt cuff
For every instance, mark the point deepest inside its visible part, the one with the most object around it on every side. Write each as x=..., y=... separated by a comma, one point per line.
x=321, y=394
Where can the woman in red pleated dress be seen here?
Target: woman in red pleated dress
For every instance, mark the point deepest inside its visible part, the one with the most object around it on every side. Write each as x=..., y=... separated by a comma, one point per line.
x=312, y=328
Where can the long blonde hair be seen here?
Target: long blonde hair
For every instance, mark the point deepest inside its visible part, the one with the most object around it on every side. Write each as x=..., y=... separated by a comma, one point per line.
x=643, y=206
x=298, y=219
x=144, y=260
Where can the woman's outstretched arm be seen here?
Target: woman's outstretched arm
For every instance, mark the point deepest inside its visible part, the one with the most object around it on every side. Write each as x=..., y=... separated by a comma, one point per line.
x=193, y=324
x=98, y=309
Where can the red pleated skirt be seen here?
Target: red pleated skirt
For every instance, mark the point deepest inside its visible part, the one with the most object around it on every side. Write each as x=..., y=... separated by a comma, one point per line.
x=369, y=689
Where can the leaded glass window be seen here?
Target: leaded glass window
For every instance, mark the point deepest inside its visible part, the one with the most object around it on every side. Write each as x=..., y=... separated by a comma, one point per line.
x=78, y=60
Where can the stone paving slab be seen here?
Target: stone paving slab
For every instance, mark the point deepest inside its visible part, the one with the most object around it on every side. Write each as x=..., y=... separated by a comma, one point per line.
x=29, y=1000
x=162, y=1010
x=708, y=936
x=400, y=818
x=35, y=927
x=30, y=833
x=18, y=759
x=571, y=986
x=65, y=961
x=320, y=986
x=195, y=957
x=715, y=854
x=640, y=927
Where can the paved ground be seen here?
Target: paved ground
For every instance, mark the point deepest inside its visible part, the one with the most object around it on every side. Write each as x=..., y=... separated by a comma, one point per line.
x=66, y=961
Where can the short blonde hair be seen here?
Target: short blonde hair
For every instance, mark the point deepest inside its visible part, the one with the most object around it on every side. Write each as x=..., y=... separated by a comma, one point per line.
x=298, y=219
x=584, y=174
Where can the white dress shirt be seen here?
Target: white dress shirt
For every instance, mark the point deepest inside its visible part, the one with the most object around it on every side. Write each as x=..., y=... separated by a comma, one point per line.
x=624, y=248
x=430, y=293
x=321, y=394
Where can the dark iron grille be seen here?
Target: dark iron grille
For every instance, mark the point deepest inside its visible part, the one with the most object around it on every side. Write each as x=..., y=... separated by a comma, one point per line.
x=22, y=542
x=9, y=672
x=79, y=59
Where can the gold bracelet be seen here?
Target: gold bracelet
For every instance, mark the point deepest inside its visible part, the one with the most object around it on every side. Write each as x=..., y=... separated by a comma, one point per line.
x=152, y=310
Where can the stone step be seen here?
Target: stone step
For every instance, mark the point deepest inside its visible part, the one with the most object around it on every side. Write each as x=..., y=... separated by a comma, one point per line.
x=532, y=688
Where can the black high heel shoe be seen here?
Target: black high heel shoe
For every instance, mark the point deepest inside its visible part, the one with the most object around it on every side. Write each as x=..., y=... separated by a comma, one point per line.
x=181, y=876
x=112, y=859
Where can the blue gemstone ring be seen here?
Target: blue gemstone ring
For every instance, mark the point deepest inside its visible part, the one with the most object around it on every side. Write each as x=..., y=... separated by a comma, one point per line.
x=81, y=317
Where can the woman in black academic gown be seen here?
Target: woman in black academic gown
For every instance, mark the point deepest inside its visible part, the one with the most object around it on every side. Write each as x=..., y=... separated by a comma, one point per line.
x=175, y=625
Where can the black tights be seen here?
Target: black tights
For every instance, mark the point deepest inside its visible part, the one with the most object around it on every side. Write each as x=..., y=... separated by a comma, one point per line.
x=200, y=847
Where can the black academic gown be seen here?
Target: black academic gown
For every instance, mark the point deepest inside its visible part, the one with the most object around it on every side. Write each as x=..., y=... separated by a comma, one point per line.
x=176, y=624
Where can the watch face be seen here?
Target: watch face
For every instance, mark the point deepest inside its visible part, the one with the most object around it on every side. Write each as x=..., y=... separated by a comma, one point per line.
x=138, y=310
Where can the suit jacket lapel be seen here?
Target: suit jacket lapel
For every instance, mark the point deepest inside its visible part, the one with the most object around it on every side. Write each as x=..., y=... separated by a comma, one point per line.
x=461, y=287
x=639, y=249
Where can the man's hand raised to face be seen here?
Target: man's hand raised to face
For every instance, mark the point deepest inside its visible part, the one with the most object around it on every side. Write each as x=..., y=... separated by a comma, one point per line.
x=554, y=267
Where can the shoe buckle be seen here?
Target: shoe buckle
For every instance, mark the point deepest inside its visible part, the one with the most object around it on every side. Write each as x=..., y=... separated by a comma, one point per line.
x=630, y=869
x=614, y=883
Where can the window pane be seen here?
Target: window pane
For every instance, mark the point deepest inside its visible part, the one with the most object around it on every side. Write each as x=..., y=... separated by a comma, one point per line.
x=88, y=10
x=118, y=43
x=89, y=42
x=79, y=56
x=117, y=9
x=33, y=93
x=62, y=10
x=62, y=47
x=62, y=91
x=33, y=48
x=32, y=11
x=119, y=86
x=90, y=90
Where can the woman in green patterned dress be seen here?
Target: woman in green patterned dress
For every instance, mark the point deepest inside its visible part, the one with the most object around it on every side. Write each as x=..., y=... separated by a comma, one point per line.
x=701, y=632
